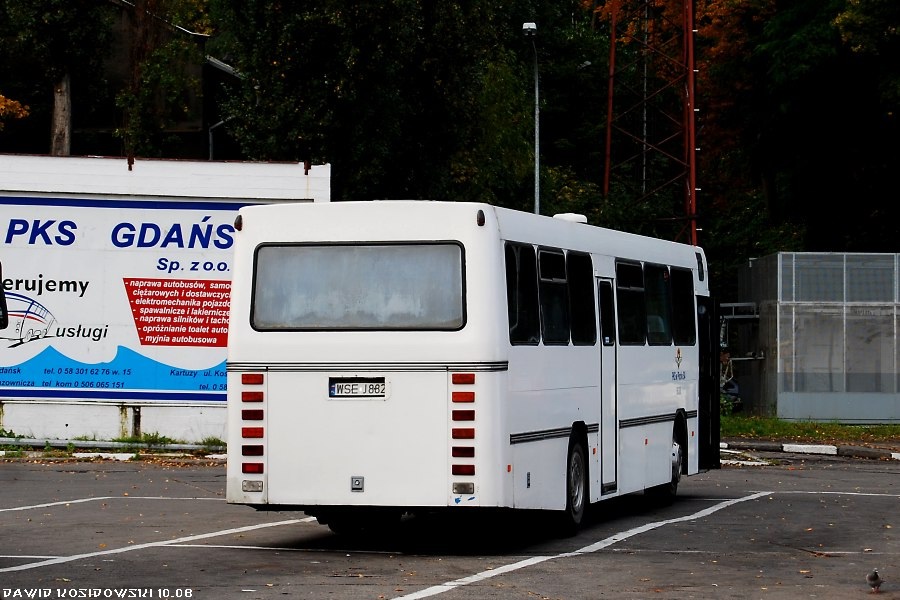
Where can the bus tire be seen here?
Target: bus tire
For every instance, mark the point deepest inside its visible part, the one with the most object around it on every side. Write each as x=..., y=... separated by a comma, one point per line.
x=576, y=487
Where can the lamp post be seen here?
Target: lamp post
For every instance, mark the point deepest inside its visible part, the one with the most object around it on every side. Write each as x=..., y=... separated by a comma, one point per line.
x=530, y=31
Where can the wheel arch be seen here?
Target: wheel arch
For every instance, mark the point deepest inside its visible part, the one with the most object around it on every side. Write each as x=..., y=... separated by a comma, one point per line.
x=681, y=436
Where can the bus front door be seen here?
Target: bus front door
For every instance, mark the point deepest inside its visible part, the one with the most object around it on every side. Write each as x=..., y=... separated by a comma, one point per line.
x=609, y=417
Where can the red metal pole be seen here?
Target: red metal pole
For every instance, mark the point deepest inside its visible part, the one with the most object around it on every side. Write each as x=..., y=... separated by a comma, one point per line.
x=690, y=121
x=607, y=167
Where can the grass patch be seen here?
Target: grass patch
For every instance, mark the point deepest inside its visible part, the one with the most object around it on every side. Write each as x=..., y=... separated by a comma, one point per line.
x=151, y=440
x=212, y=442
x=771, y=428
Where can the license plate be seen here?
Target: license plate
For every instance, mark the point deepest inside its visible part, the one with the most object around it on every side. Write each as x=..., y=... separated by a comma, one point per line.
x=357, y=387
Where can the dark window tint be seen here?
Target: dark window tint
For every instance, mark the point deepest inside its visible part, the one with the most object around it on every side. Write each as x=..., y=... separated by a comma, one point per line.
x=521, y=294
x=684, y=322
x=554, y=296
x=607, y=314
x=658, y=299
x=581, y=299
x=630, y=303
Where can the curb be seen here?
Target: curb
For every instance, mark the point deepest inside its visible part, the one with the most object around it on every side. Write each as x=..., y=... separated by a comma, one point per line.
x=119, y=451
x=820, y=449
x=104, y=445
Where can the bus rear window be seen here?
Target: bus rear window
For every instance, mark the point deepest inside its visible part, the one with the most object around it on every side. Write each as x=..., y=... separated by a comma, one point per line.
x=358, y=287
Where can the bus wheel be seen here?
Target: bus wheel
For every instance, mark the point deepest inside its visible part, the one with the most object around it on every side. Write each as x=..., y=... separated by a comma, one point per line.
x=666, y=492
x=576, y=487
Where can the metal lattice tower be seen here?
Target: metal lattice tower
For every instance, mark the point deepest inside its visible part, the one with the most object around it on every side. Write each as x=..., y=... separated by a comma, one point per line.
x=650, y=129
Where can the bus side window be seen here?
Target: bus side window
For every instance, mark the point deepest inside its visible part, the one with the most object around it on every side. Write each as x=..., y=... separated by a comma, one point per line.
x=658, y=298
x=630, y=304
x=521, y=294
x=607, y=313
x=684, y=322
x=553, y=291
x=580, y=271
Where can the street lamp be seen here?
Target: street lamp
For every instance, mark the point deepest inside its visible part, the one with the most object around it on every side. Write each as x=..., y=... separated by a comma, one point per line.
x=530, y=31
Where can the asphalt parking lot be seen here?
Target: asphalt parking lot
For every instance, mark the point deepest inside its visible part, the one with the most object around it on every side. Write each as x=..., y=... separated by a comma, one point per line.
x=793, y=526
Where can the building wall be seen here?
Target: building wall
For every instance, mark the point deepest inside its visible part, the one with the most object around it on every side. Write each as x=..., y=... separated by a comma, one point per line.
x=828, y=335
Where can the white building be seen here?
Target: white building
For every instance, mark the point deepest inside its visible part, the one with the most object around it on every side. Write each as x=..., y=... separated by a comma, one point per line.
x=825, y=346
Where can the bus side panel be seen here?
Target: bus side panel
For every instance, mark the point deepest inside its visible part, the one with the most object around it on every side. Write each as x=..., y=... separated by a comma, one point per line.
x=538, y=484
x=551, y=389
x=363, y=452
x=651, y=392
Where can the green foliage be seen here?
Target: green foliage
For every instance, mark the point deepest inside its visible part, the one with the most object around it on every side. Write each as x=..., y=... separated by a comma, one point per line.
x=43, y=40
x=770, y=428
x=429, y=100
x=872, y=28
x=212, y=442
x=8, y=433
x=797, y=101
x=62, y=36
x=164, y=76
x=161, y=98
x=726, y=405
x=798, y=41
x=495, y=166
x=151, y=440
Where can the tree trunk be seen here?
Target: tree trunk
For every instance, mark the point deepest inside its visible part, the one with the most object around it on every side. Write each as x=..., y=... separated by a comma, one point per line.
x=61, y=127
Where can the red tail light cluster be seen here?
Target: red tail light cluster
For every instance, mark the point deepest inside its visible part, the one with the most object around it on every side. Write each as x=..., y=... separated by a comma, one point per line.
x=462, y=430
x=251, y=430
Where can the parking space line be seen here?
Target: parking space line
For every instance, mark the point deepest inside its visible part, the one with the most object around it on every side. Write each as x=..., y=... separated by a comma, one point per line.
x=98, y=498
x=833, y=493
x=190, y=538
x=479, y=577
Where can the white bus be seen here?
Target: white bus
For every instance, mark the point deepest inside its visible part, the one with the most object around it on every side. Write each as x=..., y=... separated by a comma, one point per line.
x=400, y=356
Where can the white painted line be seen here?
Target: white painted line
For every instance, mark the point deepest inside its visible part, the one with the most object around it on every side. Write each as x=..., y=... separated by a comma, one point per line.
x=99, y=498
x=190, y=538
x=895, y=455
x=810, y=449
x=818, y=493
x=478, y=577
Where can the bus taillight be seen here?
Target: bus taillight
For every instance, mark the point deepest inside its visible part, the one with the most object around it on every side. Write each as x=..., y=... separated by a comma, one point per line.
x=252, y=450
x=463, y=396
x=462, y=452
x=250, y=429
x=463, y=415
x=463, y=437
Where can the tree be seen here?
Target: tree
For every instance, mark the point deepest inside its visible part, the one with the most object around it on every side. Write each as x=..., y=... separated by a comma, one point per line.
x=166, y=42
x=797, y=125
x=417, y=99
x=11, y=109
x=51, y=50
